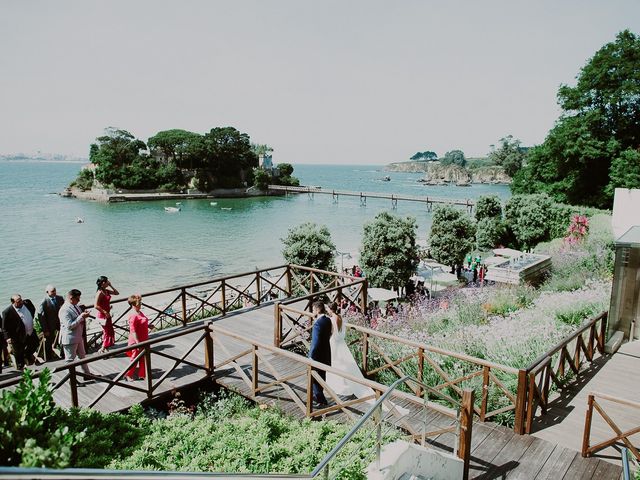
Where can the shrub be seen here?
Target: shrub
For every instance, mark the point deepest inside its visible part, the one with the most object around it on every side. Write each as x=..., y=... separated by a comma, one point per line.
x=490, y=232
x=488, y=206
x=452, y=235
x=309, y=245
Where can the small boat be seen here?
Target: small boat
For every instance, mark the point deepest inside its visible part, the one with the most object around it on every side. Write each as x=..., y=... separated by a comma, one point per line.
x=386, y=178
x=171, y=209
x=213, y=204
x=463, y=184
x=178, y=203
x=225, y=208
x=79, y=220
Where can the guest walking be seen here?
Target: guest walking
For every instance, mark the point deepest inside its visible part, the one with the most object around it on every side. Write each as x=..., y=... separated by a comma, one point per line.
x=17, y=323
x=138, y=332
x=72, y=321
x=48, y=319
x=102, y=305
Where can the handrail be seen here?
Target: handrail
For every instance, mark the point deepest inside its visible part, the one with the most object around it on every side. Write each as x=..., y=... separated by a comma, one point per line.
x=309, y=296
x=566, y=340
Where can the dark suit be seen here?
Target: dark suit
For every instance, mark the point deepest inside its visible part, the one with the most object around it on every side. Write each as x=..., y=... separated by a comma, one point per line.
x=320, y=351
x=49, y=321
x=24, y=346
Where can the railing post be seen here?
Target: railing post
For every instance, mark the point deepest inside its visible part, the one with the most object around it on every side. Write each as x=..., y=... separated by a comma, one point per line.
x=223, y=291
x=378, y=420
x=311, y=283
x=587, y=426
x=277, y=325
x=73, y=385
x=363, y=298
x=147, y=361
x=183, y=294
x=288, y=277
x=521, y=402
x=485, y=392
x=208, y=349
x=420, y=370
x=603, y=332
x=309, y=392
x=258, y=288
x=254, y=367
x=466, y=430
x=365, y=353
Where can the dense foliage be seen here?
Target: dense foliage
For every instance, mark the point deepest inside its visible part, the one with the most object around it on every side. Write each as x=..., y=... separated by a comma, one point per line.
x=219, y=434
x=454, y=157
x=177, y=159
x=309, y=245
x=424, y=156
x=452, y=235
x=280, y=175
x=510, y=155
x=490, y=233
x=389, y=254
x=488, y=206
x=593, y=148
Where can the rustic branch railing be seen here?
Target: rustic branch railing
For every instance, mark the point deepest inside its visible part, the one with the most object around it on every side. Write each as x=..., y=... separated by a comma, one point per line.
x=215, y=298
x=550, y=368
x=148, y=349
x=620, y=436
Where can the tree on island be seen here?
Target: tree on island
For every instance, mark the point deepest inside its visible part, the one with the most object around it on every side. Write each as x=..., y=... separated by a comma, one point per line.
x=600, y=123
x=454, y=157
x=425, y=156
x=221, y=158
x=452, y=236
x=309, y=245
x=510, y=155
x=389, y=254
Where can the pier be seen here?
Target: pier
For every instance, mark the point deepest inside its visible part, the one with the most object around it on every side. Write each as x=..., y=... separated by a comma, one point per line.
x=428, y=201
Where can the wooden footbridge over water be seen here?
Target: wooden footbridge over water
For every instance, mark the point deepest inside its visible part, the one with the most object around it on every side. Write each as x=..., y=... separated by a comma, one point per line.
x=336, y=194
x=247, y=332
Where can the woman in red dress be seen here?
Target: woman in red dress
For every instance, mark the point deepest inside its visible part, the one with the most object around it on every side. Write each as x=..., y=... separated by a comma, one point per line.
x=102, y=305
x=138, y=332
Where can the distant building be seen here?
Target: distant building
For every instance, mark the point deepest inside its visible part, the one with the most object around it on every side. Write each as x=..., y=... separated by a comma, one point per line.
x=266, y=161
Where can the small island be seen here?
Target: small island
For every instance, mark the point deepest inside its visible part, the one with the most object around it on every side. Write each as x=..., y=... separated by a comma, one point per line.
x=177, y=164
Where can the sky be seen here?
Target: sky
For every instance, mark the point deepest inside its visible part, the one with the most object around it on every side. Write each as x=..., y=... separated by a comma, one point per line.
x=357, y=82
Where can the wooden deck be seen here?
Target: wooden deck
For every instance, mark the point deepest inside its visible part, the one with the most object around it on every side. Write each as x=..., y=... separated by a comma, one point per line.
x=614, y=374
x=496, y=452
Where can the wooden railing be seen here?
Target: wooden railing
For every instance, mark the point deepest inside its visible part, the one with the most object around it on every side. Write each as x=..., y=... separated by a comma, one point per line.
x=73, y=374
x=568, y=356
x=217, y=297
x=415, y=359
x=620, y=436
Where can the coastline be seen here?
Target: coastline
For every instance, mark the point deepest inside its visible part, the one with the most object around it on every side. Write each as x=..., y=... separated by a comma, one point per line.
x=110, y=196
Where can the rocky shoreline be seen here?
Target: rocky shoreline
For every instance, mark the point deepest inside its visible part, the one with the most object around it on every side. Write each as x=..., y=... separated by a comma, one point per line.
x=438, y=174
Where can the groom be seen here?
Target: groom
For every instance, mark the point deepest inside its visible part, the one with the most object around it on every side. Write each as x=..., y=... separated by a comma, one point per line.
x=320, y=349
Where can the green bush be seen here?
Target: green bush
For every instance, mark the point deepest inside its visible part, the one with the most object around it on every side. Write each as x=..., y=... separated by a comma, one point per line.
x=84, y=180
x=488, y=206
x=490, y=232
x=31, y=434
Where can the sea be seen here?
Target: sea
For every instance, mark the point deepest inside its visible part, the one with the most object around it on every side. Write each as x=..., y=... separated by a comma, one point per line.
x=143, y=248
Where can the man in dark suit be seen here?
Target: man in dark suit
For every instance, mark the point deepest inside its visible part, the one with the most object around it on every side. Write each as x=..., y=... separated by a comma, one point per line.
x=17, y=323
x=320, y=349
x=49, y=321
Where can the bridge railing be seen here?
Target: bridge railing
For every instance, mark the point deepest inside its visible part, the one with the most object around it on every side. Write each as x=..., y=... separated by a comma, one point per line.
x=571, y=355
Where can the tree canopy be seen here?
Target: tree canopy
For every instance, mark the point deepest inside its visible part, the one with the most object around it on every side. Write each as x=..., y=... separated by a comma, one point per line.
x=309, y=245
x=452, y=235
x=454, y=157
x=510, y=155
x=425, y=156
x=389, y=255
x=600, y=123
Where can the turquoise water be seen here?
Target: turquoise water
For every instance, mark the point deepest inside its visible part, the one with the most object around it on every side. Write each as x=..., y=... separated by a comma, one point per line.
x=142, y=248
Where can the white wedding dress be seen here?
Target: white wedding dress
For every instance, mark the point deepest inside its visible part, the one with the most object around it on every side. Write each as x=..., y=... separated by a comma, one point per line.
x=342, y=359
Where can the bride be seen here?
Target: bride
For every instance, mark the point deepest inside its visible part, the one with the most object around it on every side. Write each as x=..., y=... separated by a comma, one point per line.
x=342, y=359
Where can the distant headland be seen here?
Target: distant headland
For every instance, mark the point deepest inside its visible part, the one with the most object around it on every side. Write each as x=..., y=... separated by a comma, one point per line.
x=41, y=157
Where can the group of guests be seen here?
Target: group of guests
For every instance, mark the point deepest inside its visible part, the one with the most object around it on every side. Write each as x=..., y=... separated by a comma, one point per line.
x=63, y=321
x=477, y=268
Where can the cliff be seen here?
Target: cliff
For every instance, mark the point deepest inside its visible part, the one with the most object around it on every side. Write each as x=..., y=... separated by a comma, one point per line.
x=437, y=173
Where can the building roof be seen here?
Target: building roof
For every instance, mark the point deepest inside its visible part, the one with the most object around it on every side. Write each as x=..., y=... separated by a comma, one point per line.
x=630, y=239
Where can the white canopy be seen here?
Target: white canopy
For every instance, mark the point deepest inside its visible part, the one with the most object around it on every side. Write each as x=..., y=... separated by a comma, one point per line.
x=507, y=252
x=381, y=294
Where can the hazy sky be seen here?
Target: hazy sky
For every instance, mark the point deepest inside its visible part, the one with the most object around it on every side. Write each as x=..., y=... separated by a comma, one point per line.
x=321, y=82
